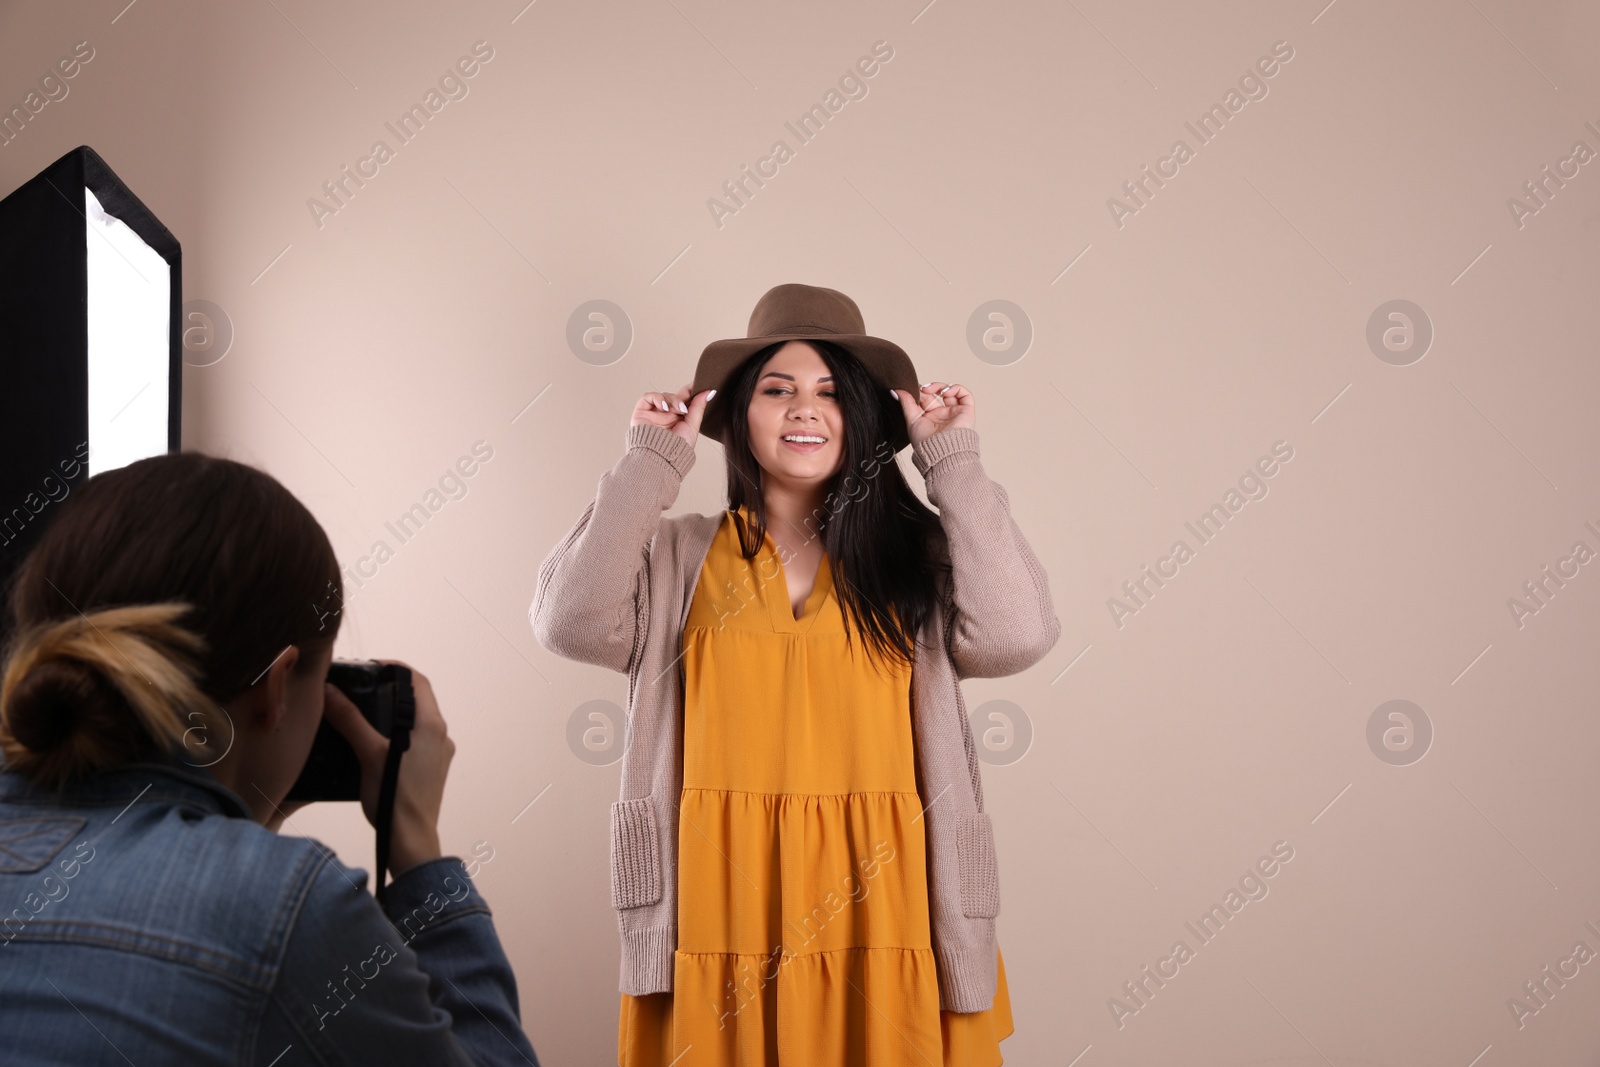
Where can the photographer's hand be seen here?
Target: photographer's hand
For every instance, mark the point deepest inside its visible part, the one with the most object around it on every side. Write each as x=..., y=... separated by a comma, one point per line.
x=414, y=837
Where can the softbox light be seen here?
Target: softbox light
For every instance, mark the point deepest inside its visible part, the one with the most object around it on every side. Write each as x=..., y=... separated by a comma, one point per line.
x=90, y=341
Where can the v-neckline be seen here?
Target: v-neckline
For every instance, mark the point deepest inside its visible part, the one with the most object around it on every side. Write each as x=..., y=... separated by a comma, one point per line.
x=819, y=590
x=782, y=612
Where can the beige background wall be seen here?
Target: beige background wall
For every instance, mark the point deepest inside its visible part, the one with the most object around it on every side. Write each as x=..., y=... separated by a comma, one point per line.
x=1229, y=313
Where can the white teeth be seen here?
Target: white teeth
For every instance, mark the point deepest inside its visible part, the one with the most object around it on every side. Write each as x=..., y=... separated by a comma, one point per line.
x=804, y=439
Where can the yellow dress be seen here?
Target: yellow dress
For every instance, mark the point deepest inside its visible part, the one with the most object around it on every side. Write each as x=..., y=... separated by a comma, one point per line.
x=803, y=932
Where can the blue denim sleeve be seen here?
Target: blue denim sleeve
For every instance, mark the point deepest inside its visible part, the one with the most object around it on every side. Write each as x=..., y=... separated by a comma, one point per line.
x=427, y=984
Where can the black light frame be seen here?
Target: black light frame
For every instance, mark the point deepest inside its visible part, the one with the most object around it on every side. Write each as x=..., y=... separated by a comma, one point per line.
x=44, y=339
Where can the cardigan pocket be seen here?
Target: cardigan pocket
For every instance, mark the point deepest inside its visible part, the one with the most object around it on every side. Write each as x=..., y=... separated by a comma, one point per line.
x=980, y=872
x=635, y=854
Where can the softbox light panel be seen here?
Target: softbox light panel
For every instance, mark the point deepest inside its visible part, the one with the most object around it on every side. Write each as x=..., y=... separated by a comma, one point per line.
x=91, y=368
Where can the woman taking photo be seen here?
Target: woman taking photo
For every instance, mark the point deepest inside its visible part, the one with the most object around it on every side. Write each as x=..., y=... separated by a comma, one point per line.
x=800, y=860
x=171, y=637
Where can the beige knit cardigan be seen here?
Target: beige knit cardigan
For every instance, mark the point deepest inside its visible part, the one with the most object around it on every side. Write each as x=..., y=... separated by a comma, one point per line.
x=616, y=591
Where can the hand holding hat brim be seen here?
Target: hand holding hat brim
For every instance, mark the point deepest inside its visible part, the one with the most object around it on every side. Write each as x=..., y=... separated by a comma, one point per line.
x=680, y=412
x=934, y=407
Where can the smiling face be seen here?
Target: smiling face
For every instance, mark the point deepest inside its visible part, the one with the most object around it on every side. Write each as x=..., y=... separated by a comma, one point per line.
x=795, y=396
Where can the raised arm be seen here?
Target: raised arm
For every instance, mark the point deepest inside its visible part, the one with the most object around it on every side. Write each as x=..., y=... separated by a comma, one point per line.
x=586, y=599
x=1004, y=621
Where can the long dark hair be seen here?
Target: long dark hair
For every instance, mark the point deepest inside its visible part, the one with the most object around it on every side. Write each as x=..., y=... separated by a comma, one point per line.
x=159, y=591
x=878, y=535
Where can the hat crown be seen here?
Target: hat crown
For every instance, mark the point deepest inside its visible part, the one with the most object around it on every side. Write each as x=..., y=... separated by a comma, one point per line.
x=796, y=308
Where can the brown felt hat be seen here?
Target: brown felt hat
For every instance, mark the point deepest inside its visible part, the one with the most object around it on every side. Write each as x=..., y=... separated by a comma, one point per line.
x=795, y=312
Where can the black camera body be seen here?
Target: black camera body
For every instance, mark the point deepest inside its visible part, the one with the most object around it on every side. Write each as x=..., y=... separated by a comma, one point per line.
x=383, y=693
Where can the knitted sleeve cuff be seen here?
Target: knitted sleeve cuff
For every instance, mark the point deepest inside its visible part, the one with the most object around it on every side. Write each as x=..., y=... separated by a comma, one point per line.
x=678, y=453
x=932, y=449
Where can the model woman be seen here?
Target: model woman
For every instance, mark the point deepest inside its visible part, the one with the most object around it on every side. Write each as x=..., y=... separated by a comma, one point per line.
x=801, y=865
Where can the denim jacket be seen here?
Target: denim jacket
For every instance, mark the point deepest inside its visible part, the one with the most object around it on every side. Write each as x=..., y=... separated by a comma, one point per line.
x=146, y=918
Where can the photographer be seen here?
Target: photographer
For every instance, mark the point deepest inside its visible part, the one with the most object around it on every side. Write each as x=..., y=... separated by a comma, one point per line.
x=171, y=637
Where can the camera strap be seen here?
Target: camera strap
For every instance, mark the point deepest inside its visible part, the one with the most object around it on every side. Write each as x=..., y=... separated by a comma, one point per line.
x=405, y=716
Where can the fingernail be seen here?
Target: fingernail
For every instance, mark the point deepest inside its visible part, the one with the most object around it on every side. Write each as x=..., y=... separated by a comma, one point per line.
x=894, y=394
x=710, y=395
x=683, y=407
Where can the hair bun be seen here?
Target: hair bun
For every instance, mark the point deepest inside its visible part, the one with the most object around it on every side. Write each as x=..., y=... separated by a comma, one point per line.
x=83, y=694
x=50, y=702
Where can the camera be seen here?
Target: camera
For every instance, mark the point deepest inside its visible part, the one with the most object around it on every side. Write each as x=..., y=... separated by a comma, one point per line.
x=383, y=693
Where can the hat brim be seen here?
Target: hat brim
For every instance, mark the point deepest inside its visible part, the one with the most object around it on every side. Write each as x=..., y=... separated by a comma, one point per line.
x=886, y=361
